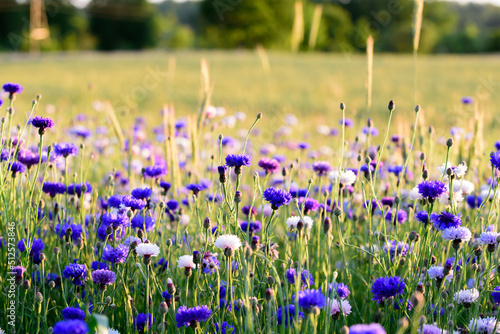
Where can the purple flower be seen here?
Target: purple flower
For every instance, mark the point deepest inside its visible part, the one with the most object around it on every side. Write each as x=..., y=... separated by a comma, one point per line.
x=309, y=204
x=340, y=288
x=399, y=249
x=305, y=276
x=75, y=272
x=73, y=313
x=431, y=189
x=289, y=313
x=445, y=220
x=65, y=149
x=70, y=327
x=248, y=210
x=210, y=263
x=62, y=229
x=311, y=298
x=373, y=328
x=372, y=131
x=423, y=217
x=226, y=328
x=495, y=294
x=115, y=220
x=321, y=168
x=192, y=316
x=133, y=203
x=277, y=197
x=12, y=88
x=165, y=186
x=53, y=188
x=115, y=255
x=140, y=321
x=16, y=167
x=238, y=160
x=401, y=216
x=79, y=188
x=195, y=188
x=251, y=227
x=142, y=193
x=348, y=122
x=269, y=165
x=474, y=201
x=155, y=171
x=385, y=287
x=467, y=100
x=489, y=238
x=103, y=277
x=145, y=223
x=42, y=123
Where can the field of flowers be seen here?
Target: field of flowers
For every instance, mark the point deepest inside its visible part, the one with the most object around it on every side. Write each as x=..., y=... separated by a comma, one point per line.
x=226, y=222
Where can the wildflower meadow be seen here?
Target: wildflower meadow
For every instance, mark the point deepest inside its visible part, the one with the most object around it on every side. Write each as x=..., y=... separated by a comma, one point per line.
x=222, y=221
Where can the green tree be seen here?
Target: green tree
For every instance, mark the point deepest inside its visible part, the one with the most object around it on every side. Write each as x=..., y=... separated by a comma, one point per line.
x=123, y=24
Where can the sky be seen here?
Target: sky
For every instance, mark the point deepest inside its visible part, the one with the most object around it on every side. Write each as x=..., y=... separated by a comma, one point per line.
x=82, y=3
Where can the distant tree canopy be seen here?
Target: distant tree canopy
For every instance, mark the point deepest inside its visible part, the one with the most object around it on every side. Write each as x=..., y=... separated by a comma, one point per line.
x=344, y=25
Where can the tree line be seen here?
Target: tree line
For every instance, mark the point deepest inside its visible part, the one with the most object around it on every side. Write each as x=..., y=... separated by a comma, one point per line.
x=320, y=25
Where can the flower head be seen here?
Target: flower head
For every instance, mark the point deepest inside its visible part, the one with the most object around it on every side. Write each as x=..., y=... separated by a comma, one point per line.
x=42, y=123
x=277, y=197
x=12, y=88
x=487, y=325
x=321, y=168
x=192, y=316
x=466, y=297
x=147, y=250
x=308, y=299
x=65, y=149
x=186, y=261
x=70, y=327
x=445, y=220
x=372, y=328
x=53, y=188
x=155, y=171
x=431, y=190
x=338, y=308
x=228, y=241
x=489, y=238
x=115, y=255
x=71, y=313
x=385, y=287
x=293, y=221
x=75, y=272
x=459, y=233
x=142, y=193
x=238, y=160
x=140, y=321
x=269, y=165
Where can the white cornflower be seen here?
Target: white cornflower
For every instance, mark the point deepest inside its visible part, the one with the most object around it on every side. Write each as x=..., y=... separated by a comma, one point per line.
x=294, y=220
x=436, y=272
x=186, y=261
x=333, y=176
x=431, y=329
x=457, y=233
x=147, y=250
x=110, y=331
x=414, y=194
x=228, y=241
x=488, y=325
x=347, y=178
x=446, y=200
x=339, y=308
x=466, y=297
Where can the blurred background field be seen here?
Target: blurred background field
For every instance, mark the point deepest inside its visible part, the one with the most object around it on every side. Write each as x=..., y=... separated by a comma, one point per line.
x=313, y=85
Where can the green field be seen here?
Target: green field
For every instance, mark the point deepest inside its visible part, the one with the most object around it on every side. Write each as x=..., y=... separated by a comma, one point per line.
x=304, y=83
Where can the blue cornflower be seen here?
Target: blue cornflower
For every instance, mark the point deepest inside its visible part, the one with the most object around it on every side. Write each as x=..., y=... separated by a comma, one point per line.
x=251, y=227
x=80, y=131
x=423, y=217
x=304, y=146
x=321, y=168
x=474, y=201
x=72, y=313
x=98, y=265
x=79, y=188
x=115, y=201
x=76, y=230
x=291, y=275
x=140, y=321
x=16, y=167
x=372, y=328
x=210, y=263
x=431, y=190
x=238, y=160
x=115, y=255
x=347, y=122
x=103, y=277
x=389, y=201
x=385, y=287
x=396, y=170
x=145, y=223
x=248, y=210
x=192, y=316
x=495, y=159
x=340, y=288
x=165, y=186
x=289, y=313
x=269, y=165
x=309, y=204
x=445, y=220
x=495, y=294
x=37, y=247
x=65, y=149
x=70, y=327
x=12, y=88
x=133, y=203
x=195, y=188
x=42, y=123
x=53, y=188
x=397, y=249
x=226, y=328
x=115, y=220
x=277, y=197
x=401, y=216
x=372, y=131
x=467, y=100
x=308, y=299
x=142, y=193
x=75, y=272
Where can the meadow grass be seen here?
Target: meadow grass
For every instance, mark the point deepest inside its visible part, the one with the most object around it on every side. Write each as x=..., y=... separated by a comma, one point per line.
x=368, y=220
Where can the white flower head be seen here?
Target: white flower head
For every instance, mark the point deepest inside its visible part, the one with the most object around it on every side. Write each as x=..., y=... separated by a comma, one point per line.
x=457, y=233
x=436, y=272
x=488, y=325
x=294, y=220
x=466, y=297
x=446, y=200
x=333, y=176
x=186, y=261
x=147, y=250
x=414, y=194
x=347, y=178
x=343, y=307
x=228, y=241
